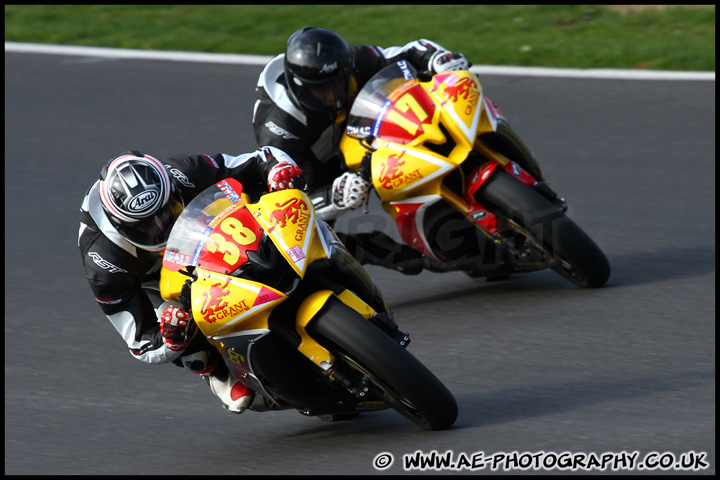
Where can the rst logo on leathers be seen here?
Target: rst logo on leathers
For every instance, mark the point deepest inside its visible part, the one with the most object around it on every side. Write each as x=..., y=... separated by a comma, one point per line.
x=180, y=176
x=279, y=131
x=104, y=264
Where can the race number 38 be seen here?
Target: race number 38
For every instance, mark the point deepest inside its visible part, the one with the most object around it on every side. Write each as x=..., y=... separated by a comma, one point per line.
x=234, y=233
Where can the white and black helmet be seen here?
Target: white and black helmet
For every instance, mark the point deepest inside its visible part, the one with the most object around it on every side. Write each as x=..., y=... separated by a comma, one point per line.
x=140, y=199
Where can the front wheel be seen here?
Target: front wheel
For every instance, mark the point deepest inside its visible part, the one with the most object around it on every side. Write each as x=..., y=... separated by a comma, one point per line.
x=393, y=374
x=575, y=255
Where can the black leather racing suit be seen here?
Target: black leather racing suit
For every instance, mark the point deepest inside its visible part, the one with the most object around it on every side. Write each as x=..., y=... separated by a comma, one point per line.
x=118, y=271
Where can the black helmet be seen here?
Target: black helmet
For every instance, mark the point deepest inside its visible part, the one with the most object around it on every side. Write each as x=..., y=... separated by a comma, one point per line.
x=140, y=199
x=318, y=64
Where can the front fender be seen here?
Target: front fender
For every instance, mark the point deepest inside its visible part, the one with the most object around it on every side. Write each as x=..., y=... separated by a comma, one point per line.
x=309, y=308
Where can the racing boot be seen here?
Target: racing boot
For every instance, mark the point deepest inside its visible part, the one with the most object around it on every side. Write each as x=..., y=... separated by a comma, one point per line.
x=234, y=395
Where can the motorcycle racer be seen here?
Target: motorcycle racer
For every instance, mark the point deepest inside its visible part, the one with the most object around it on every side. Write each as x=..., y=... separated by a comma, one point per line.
x=126, y=218
x=304, y=96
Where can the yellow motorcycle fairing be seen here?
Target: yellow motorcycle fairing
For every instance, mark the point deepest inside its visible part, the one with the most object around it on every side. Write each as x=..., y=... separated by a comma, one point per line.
x=288, y=218
x=171, y=284
x=407, y=157
x=221, y=303
x=398, y=169
x=226, y=306
x=223, y=306
x=461, y=95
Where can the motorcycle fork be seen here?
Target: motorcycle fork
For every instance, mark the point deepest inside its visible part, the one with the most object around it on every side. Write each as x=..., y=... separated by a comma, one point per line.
x=347, y=378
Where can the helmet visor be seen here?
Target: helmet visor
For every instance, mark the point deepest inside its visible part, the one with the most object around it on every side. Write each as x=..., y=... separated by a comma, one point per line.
x=152, y=233
x=326, y=97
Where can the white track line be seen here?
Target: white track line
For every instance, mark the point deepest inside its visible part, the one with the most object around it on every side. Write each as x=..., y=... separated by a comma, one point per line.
x=263, y=59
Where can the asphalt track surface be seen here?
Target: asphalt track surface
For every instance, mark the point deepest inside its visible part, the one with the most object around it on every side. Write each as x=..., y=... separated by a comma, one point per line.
x=536, y=364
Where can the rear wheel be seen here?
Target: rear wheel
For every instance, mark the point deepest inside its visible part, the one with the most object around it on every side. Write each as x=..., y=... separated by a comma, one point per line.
x=392, y=373
x=575, y=255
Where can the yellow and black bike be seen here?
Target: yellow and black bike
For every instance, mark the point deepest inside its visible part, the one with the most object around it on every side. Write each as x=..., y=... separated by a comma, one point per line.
x=459, y=182
x=294, y=315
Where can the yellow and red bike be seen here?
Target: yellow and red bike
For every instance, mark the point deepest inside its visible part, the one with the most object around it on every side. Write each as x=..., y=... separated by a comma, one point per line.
x=293, y=314
x=458, y=181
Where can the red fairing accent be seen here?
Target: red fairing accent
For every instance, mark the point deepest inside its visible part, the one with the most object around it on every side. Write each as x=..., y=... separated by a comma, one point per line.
x=108, y=301
x=516, y=171
x=477, y=214
x=407, y=226
x=491, y=108
x=266, y=295
x=484, y=219
x=478, y=177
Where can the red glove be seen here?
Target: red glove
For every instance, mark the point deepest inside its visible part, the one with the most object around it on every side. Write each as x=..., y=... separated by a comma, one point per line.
x=285, y=175
x=174, y=324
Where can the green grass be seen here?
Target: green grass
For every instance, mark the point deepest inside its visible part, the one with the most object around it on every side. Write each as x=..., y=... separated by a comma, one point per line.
x=572, y=36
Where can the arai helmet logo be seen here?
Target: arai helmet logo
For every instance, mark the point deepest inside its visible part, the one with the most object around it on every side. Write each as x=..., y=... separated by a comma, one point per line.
x=144, y=202
x=329, y=68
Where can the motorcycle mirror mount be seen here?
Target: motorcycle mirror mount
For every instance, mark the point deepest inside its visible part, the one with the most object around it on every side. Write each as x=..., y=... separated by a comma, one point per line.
x=189, y=271
x=367, y=143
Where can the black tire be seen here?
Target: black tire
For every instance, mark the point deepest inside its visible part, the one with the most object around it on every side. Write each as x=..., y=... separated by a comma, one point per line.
x=576, y=255
x=403, y=382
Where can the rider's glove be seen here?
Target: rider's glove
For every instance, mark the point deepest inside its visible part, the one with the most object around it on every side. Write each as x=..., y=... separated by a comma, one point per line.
x=443, y=61
x=285, y=175
x=349, y=190
x=174, y=325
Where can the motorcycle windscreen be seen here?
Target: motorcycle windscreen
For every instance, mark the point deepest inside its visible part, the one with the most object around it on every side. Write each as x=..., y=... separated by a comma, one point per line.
x=371, y=102
x=214, y=232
